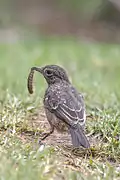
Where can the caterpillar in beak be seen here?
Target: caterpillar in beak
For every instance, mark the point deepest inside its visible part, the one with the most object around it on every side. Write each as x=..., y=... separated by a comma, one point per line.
x=30, y=81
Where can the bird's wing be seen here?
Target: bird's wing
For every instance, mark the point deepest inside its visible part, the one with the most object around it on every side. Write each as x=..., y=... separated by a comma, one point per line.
x=67, y=108
x=80, y=98
x=78, y=95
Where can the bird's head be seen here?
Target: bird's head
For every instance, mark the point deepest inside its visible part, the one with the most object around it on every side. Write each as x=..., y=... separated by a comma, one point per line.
x=52, y=73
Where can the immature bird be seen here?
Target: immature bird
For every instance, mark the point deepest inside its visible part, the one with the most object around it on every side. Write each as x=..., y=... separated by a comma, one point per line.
x=64, y=106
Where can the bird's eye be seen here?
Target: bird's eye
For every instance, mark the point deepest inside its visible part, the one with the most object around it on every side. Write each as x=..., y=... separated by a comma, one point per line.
x=48, y=72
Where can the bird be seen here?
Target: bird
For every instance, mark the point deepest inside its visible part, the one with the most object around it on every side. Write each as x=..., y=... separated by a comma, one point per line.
x=64, y=105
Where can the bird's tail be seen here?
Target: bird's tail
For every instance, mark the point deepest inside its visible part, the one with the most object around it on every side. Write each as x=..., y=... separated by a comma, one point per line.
x=78, y=137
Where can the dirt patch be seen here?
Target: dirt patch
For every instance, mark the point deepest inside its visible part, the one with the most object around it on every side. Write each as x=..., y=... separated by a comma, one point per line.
x=76, y=158
x=39, y=121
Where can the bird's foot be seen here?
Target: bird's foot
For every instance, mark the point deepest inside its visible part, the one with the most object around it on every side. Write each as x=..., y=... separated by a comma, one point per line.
x=41, y=145
x=40, y=142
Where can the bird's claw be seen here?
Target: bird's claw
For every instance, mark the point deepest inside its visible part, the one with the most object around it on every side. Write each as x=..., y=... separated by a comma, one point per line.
x=40, y=142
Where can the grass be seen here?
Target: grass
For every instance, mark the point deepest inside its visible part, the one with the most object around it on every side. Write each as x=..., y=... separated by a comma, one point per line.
x=94, y=70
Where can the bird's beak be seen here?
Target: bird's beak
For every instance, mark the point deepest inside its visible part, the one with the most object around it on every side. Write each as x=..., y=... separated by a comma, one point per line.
x=39, y=69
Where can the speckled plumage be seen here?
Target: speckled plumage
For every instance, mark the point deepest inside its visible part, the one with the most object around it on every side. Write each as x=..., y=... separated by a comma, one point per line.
x=64, y=106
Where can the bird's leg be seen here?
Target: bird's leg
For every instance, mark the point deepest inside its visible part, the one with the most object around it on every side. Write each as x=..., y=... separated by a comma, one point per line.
x=48, y=133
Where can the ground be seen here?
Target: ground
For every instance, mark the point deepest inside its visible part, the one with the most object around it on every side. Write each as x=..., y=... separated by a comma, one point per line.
x=94, y=71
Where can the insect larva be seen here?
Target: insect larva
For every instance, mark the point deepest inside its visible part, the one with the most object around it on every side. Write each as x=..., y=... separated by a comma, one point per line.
x=30, y=81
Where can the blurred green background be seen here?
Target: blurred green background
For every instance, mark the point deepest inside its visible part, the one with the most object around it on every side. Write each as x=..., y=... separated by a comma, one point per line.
x=94, y=20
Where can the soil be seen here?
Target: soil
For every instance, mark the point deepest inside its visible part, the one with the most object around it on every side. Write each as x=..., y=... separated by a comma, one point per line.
x=39, y=121
x=75, y=158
